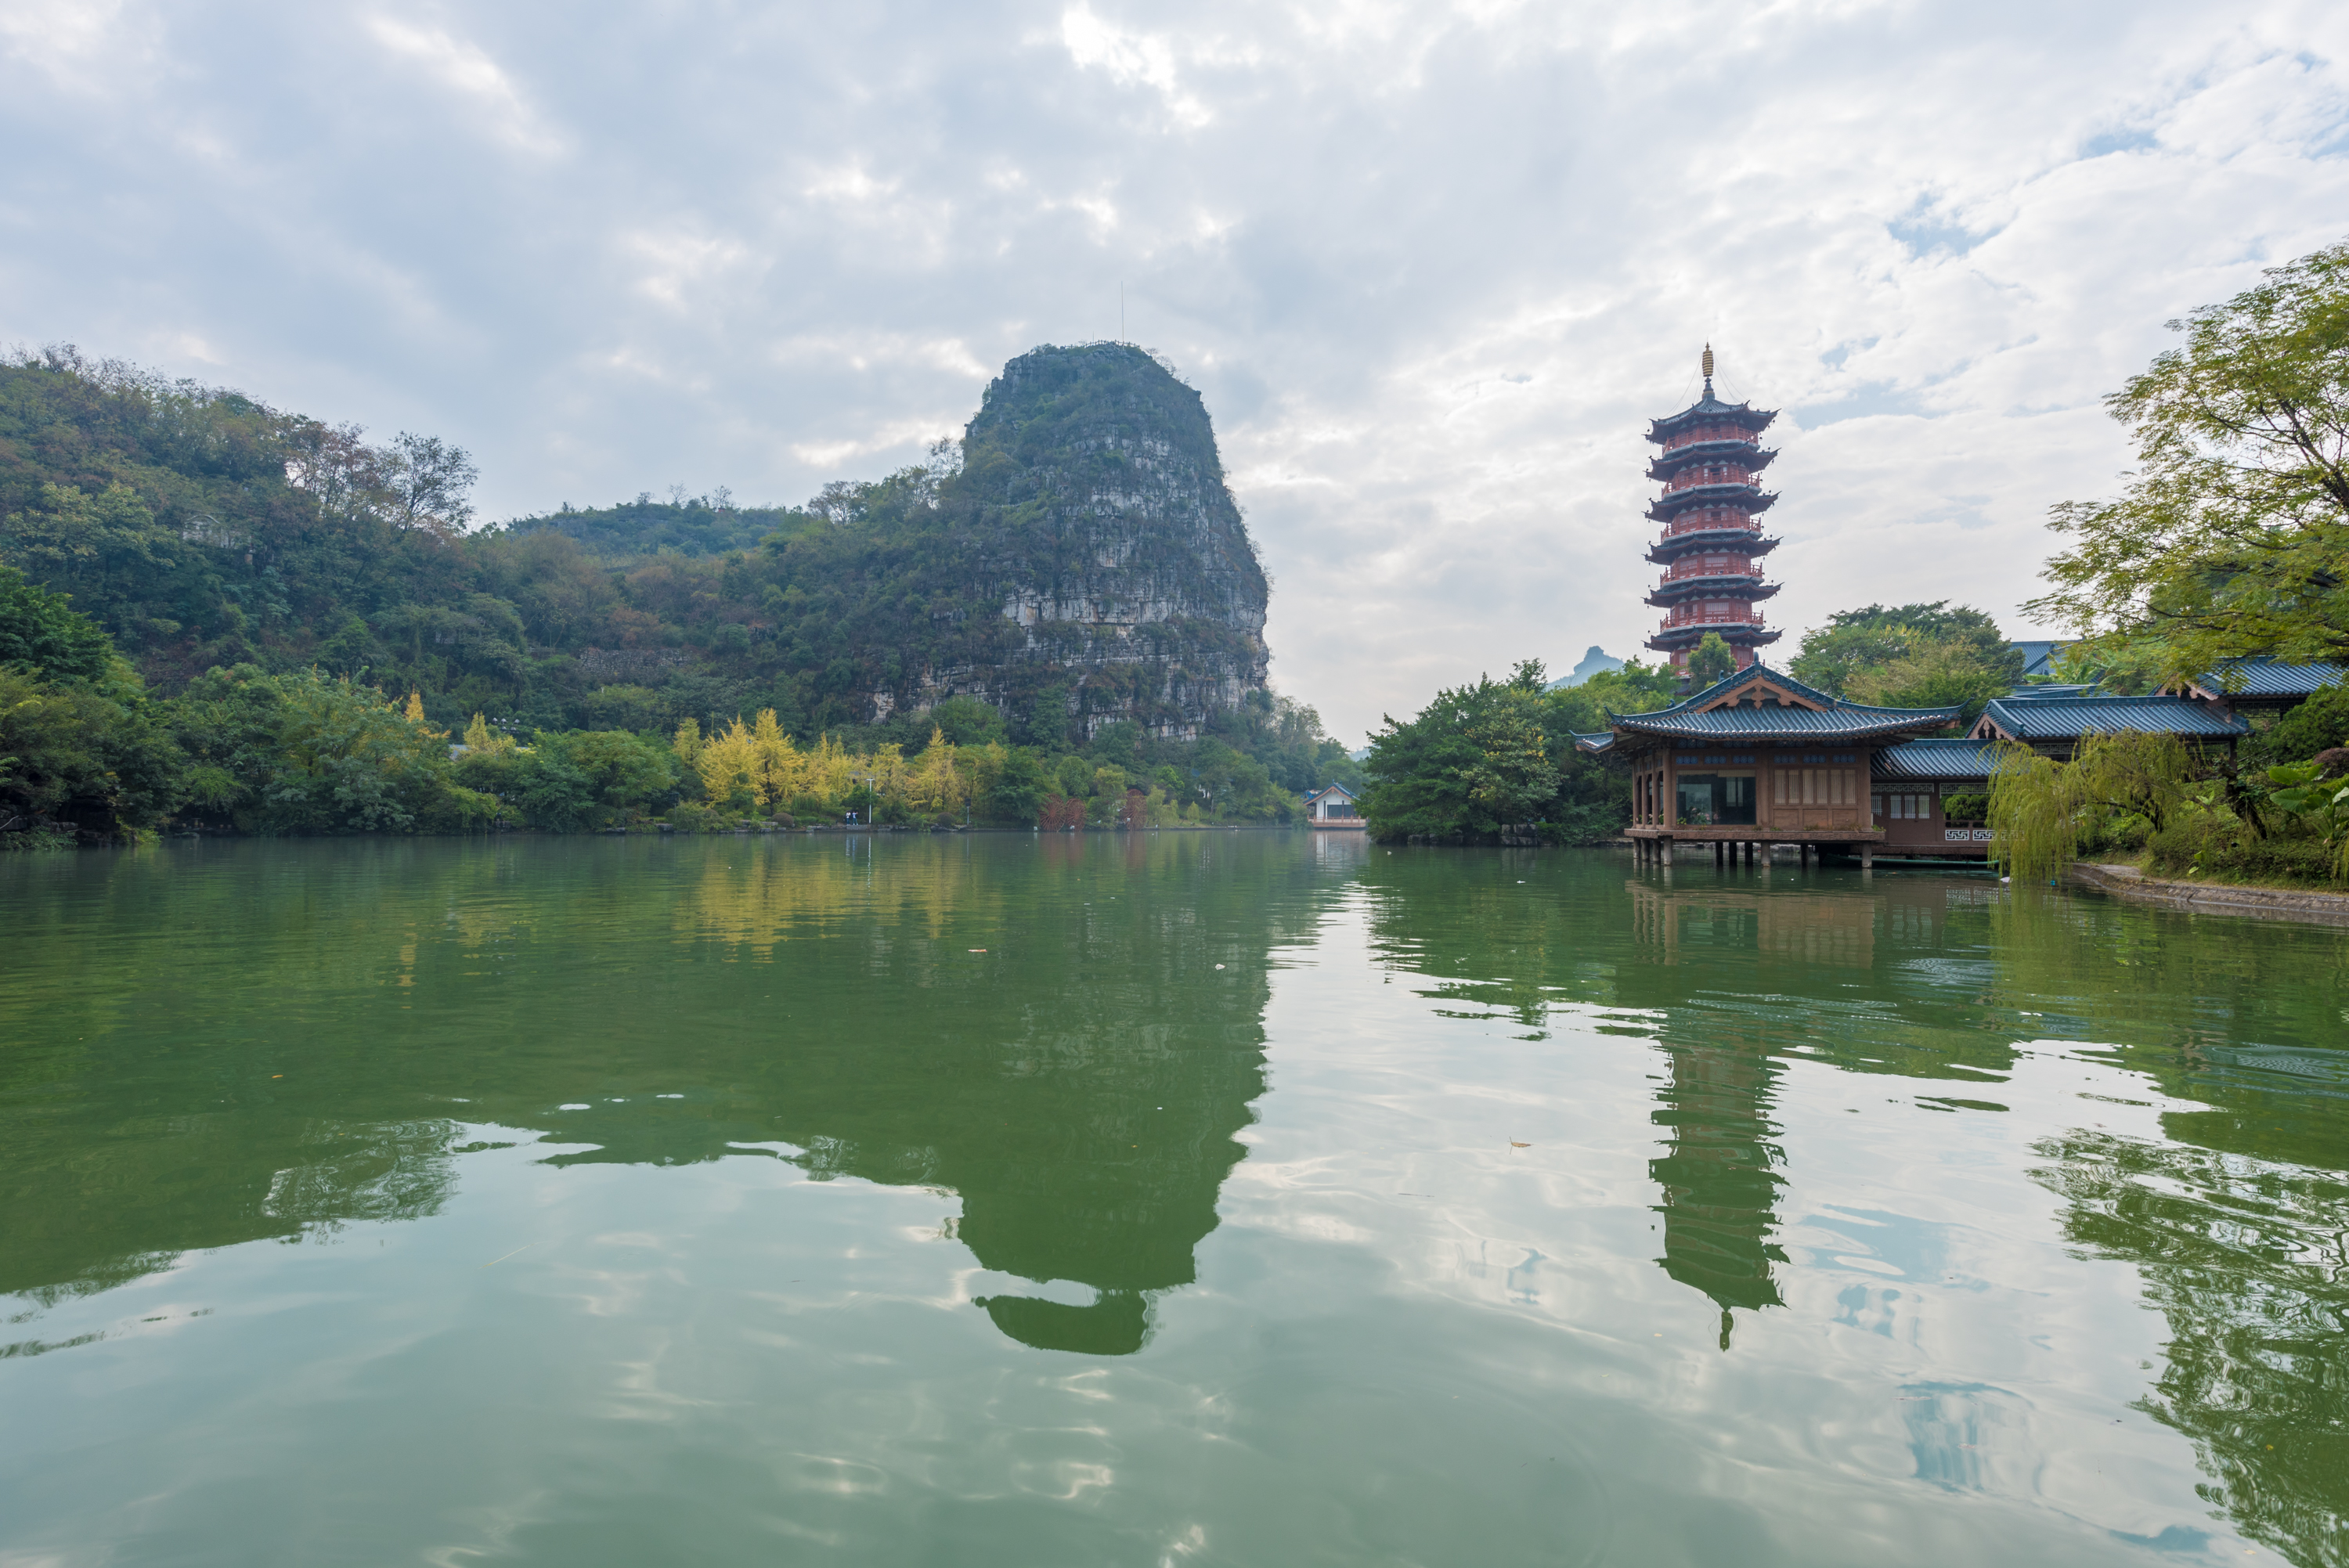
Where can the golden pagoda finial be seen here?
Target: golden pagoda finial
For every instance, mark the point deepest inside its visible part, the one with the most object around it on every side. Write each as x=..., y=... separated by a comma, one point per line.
x=1708, y=364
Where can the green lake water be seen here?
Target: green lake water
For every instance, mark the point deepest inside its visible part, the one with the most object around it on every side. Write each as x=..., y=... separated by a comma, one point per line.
x=1178, y=1199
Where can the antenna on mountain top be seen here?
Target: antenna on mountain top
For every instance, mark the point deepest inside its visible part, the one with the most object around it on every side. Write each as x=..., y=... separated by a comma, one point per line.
x=1121, y=312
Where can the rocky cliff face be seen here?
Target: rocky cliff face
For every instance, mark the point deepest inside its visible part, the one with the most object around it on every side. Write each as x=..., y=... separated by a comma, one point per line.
x=1121, y=563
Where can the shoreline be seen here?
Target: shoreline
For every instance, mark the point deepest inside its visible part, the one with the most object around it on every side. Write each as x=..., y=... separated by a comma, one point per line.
x=2212, y=898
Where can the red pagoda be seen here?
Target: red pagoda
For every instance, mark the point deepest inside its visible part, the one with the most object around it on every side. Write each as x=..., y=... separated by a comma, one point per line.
x=1712, y=543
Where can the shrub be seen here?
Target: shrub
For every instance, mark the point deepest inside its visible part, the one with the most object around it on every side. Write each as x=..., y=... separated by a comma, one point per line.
x=2212, y=848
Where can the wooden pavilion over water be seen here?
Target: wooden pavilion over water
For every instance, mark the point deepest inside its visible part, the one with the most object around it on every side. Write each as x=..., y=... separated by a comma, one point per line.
x=1758, y=759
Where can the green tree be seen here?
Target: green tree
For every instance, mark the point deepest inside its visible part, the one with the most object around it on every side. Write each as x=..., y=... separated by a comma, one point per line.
x=1016, y=792
x=306, y=753
x=80, y=759
x=593, y=778
x=2040, y=807
x=1475, y=761
x=41, y=631
x=2233, y=537
x=1910, y=655
x=81, y=753
x=967, y=721
x=1712, y=660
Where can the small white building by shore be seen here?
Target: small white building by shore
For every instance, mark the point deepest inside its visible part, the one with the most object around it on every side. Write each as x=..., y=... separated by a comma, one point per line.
x=1333, y=807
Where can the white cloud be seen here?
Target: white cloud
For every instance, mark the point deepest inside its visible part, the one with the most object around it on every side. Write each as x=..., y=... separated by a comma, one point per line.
x=1433, y=267
x=1129, y=58
x=465, y=69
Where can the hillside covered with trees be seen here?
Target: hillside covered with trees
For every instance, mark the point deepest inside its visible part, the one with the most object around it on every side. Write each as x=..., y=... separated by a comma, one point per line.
x=219, y=544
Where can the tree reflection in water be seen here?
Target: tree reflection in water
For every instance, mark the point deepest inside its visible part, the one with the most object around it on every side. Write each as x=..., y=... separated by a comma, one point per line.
x=2238, y=1224
x=1078, y=1084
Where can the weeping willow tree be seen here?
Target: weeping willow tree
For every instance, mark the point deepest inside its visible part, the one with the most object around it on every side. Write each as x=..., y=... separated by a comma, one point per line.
x=2038, y=805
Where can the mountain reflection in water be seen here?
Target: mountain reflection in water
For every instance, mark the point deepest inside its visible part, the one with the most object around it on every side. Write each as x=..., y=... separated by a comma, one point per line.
x=1077, y=1083
x=1066, y=1037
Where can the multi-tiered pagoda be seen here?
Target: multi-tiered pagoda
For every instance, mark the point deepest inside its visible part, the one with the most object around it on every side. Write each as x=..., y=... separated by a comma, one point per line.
x=1710, y=510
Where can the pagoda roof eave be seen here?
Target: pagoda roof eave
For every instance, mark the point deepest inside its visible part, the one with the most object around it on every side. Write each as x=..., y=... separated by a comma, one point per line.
x=1744, y=590
x=1736, y=634
x=1665, y=465
x=1752, y=498
x=1711, y=407
x=1745, y=542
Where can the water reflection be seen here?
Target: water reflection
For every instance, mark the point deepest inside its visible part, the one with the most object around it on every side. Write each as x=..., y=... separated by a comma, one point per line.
x=1067, y=1036
x=1068, y=1040
x=1720, y=1185
x=2236, y=1222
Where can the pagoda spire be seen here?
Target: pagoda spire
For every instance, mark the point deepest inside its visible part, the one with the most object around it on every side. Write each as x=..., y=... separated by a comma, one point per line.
x=1712, y=545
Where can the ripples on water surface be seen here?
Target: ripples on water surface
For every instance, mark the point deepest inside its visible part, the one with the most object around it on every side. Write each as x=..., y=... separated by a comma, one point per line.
x=1185, y=1198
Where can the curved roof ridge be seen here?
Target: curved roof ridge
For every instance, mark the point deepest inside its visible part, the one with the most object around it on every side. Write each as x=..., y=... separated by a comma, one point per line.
x=1757, y=671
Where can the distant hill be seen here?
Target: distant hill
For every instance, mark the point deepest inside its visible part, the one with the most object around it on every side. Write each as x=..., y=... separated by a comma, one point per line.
x=1593, y=662
x=696, y=527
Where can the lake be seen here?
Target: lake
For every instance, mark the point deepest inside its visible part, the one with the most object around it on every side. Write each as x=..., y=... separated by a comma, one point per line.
x=1182, y=1199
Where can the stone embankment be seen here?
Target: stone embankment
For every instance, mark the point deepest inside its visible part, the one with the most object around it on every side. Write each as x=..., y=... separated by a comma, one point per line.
x=2216, y=898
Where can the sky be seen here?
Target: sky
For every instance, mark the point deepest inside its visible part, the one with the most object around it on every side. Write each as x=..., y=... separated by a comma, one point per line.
x=1431, y=267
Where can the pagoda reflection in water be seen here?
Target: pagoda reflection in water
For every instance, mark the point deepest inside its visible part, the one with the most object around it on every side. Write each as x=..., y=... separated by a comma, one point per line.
x=1719, y=1170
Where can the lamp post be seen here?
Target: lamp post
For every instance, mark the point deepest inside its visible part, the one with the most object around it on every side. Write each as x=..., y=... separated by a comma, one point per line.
x=866, y=779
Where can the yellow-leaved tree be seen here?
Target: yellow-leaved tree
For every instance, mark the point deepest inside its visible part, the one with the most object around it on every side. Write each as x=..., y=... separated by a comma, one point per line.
x=481, y=737
x=935, y=786
x=776, y=759
x=729, y=766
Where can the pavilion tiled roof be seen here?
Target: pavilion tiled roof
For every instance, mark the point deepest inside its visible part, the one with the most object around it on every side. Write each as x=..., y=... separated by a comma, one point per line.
x=2067, y=719
x=2270, y=678
x=1937, y=759
x=1834, y=719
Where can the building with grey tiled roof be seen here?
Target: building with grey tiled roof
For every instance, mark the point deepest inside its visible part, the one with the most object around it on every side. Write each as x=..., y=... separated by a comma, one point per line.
x=1755, y=760
x=2053, y=725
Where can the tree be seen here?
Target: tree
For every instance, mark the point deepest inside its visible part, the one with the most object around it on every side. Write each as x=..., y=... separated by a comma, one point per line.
x=427, y=480
x=2038, y=807
x=967, y=721
x=1710, y=661
x=1473, y=761
x=2233, y=537
x=41, y=631
x=80, y=749
x=308, y=753
x=1910, y=655
x=590, y=779
x=480, y=738
x=1019, y=789
x=80, y=759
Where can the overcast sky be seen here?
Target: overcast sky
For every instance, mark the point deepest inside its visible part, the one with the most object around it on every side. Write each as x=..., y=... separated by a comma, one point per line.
x=1431, y=267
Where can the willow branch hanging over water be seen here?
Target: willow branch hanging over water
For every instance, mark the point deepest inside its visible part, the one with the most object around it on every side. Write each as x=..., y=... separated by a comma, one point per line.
x=2038, y=805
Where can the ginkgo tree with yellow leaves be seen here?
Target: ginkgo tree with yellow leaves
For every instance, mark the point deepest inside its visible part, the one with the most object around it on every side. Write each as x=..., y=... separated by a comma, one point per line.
x=757, y=768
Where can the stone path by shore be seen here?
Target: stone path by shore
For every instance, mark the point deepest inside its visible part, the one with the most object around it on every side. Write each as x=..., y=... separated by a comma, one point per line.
x=2216, y=898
